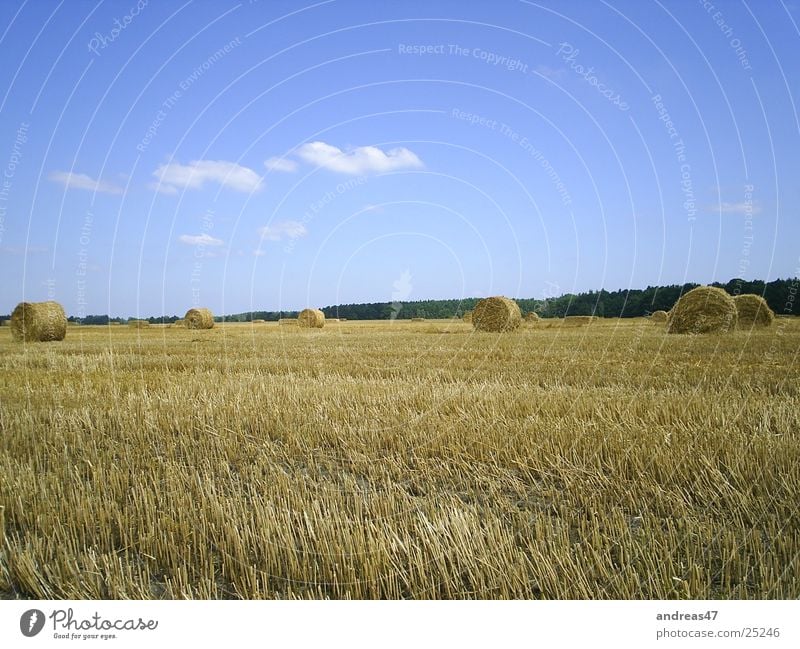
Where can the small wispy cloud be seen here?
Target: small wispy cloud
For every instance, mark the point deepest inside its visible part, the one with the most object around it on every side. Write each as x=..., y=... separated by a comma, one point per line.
x=361, y=160
x=19, y=251
x=283, y=230
x=174, y=176
x=204, y=239
x=734, y=208
x=370, y=207
x=72, y=180
x=550, y=73
x=284, y=165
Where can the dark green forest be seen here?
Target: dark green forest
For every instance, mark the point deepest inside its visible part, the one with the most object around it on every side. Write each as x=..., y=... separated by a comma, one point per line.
x=629, y=303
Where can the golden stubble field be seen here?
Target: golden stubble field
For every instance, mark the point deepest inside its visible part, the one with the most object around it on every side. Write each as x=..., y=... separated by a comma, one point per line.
x=401, y=460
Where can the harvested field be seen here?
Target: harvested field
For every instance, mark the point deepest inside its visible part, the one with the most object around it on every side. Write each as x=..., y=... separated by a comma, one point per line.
x=428, y=461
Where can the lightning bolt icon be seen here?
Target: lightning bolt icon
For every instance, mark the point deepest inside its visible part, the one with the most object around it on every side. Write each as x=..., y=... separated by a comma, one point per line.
x=32, y=621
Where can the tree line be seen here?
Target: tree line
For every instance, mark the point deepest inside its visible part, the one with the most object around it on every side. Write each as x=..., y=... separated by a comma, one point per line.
x=626, y=303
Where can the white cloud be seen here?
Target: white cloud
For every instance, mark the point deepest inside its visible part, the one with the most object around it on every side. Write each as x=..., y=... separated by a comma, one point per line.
x=162, y=189
x=361, y=160
x=281, y=164
x=82, y=181
x=371, y=207
x=21, y=252
x=283, y=229
x=174, y=176
x=200, y=240
x=735, y=208
x=550, y=73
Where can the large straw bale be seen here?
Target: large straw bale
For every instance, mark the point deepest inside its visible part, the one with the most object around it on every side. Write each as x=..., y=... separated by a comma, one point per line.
x=38, y=321
x=753, y=311
x=313, y=318
x=496, y=314
x=703, y=310
x=199, y=318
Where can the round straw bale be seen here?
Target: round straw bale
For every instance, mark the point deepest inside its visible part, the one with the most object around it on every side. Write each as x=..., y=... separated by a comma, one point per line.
x=579, y=320
x=417, y=319
x=311, y=318
x=705, y=309
x=38, y=321
x=199, y=319
x=138, y=324
x=179, y=323
x=753, y=311
x=467, y=317
x=496, y=314
x=531, y=316
x=659, y=317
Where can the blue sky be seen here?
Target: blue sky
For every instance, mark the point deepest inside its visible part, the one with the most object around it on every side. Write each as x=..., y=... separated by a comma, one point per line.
x=278, y=155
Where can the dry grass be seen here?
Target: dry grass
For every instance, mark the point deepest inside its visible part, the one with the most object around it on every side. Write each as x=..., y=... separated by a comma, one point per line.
x=376, y=461
x=38, y=322
x=659, y=317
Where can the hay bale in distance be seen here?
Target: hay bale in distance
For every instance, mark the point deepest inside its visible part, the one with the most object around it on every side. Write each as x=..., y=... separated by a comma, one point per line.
x=496, y=314
x=311, y=318
x=577, y=320
x=258, y=321
x=417, y=319
x=753, y=311
x=659, y=317
x=38, y=322
x=179, y=323
x=467, y=317
x=138, y=324
x=531, y=316
x=703, y=310
x=199, y=319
